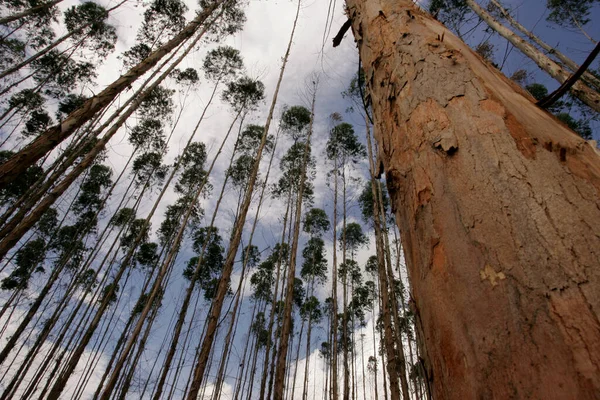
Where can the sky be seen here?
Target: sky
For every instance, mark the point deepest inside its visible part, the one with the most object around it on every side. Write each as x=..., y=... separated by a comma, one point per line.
x=262, y=44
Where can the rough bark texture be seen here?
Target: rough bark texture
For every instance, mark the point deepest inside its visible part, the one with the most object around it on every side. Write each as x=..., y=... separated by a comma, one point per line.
x=498, y=205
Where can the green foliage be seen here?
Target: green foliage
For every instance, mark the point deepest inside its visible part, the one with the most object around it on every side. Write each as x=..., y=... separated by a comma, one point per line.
x=146, y=255
x=537, y=90
x=16, y=189
x=231, y=21
x=315, y=261
x=569, y=13
x=170, y=225
x=343, y=145
x=311, y=309
x=316, y=222
x=206, y=268
x=87, y=280
x=157, y=105
x=581, y=127
x=47, y=223
x=452, y=13
x=259, y=329
x=187, y=77
x=222, y=63
x=295, y=121
x=365, y=200
x=68, y=104
x=60, y=74
x=250, y=256
x=37, y=123
x=561, y=111
x=27, y=260
x=250, y=140
x=26, y=100
x=109, y=294
x=87, y=23
x=349, y=271
x=244, y=94
x=291, y=166
x=263, y=279
x=192, y=169
x=163, y=19
x=136, y=54
x=299, y=293
x=137, y=232
x=91, y=189
x=148, y=169
x=148, y=135
x=354, y=236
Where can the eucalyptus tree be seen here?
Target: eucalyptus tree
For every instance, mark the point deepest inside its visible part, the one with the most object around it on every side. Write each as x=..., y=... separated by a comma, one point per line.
x=299, y=169
x=571, y=13
x=580, y=90
x=87, y=27
x=17, y=228
x=56, y=134
x=314, y=271
x=587, y=76
x=243, y=95
x=69, y=247
x=342, y=150
x=216, y=307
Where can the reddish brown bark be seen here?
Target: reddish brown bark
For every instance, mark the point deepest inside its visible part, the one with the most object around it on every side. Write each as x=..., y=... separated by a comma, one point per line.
x=499, y=209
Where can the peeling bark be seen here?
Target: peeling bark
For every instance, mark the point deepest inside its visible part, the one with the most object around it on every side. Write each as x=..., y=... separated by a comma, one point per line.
x=499, y=209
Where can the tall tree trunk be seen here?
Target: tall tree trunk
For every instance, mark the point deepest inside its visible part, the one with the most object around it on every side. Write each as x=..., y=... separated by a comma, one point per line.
x=289, y=295
x=43, y=144
x=467, y=157
x=587, y=77
x=579, y=89
x=236, y=237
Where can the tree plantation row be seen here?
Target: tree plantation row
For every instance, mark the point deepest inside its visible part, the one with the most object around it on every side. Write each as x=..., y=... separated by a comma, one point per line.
x=174, y=224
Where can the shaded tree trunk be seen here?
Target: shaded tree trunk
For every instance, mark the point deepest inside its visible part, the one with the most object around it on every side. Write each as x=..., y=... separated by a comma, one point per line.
x=497, y=204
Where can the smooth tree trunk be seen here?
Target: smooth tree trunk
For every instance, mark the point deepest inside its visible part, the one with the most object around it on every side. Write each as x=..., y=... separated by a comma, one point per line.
x=589, y=78
x=579, y=89
x=236, y=238
x=289, y=295
x=497, y=203
x=43, y=144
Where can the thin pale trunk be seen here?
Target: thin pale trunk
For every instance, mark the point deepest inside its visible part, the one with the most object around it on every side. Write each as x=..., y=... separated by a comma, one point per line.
x=235, y=241
x=469, y=157
x=192, y=284
x=345, y=290
x=161, y=275
x=16, y=165
x=297, y=358
x=588, y=77
x=289, y=296
x=307, y=351
x=579, y=89
x=334, y=320
x=388, y=335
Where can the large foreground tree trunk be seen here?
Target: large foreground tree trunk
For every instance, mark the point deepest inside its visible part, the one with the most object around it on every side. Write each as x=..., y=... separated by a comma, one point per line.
x=499, y=209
